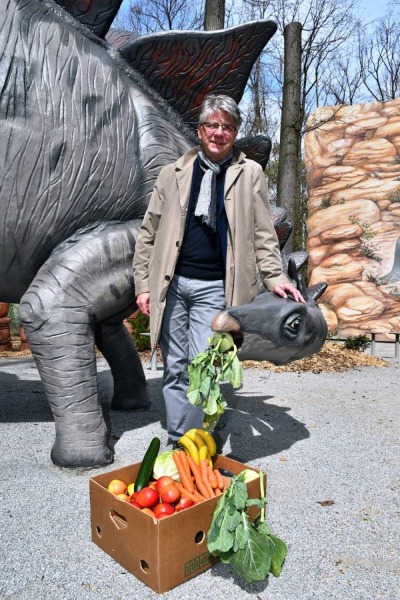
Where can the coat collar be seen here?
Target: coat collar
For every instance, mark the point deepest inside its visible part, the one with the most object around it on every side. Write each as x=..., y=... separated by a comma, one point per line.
x=184, y=171
x=187, y=160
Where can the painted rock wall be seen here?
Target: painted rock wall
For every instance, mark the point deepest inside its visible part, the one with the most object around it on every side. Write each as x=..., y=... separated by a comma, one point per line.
x=352, y=156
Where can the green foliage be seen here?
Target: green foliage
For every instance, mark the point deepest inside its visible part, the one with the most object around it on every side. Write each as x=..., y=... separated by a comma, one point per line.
x=326, y=202
x=370, y=250
x=248, y=546
x=394, y=196
x=140, y=324
x=358, y=342
x=367, y=248
x=218, y=364
x=15, y=323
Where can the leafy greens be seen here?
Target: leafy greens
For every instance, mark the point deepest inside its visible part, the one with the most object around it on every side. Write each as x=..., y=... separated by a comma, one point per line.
x=217, y=364
x=248, y=546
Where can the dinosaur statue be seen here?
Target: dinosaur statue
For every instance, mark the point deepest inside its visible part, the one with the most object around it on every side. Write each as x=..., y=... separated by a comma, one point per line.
x=86, y=125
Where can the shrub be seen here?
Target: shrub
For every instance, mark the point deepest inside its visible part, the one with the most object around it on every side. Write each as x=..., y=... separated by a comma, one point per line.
x=358, y=342
x=140, y=324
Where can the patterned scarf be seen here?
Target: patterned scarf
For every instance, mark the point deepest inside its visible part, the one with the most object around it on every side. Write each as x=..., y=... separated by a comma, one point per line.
x=206, y=206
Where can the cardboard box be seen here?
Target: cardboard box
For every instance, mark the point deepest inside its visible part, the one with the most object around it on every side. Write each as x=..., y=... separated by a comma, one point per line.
x=164, y=553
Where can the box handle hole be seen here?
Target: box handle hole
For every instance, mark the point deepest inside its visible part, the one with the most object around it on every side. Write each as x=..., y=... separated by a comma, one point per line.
x=98, y=531
x=199, y=537
x=144, y=566
x=119, y=521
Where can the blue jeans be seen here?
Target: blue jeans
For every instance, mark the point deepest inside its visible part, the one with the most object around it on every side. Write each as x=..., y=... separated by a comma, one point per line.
x=190, y=307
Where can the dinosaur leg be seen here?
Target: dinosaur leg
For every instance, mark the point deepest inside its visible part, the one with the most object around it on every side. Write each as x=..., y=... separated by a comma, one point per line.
x=115, y=343
x=62, y=344
x=86, y=281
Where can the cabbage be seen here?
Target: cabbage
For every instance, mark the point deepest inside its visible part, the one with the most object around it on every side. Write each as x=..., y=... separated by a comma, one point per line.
x=165, y=465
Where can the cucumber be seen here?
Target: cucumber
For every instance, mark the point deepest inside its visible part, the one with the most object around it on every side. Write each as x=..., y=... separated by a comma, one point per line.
x=146, y=468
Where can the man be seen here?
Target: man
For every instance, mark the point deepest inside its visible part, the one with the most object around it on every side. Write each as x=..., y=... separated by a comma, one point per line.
x=206, y=228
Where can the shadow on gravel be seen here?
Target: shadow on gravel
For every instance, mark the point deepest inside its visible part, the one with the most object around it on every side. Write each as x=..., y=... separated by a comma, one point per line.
x=120, y=421
x=256, y=428
x=227, y=573
x=24, y=401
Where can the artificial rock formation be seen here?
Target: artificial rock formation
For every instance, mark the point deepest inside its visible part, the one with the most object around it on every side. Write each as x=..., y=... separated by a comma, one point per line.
x=352, y=156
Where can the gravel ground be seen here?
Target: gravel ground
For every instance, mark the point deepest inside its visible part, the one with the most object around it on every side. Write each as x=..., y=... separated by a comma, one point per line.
x=319, y=437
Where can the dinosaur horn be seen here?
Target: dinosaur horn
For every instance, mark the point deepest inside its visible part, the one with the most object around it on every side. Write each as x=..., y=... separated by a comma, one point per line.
x=315, y=291
x=224, y=322
x=295, y=276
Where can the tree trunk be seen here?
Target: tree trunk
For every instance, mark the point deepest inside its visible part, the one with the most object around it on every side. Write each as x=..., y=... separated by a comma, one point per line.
x=214, y=15
x=289, y=153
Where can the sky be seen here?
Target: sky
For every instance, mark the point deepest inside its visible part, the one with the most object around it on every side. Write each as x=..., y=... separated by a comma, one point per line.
x=373, y=9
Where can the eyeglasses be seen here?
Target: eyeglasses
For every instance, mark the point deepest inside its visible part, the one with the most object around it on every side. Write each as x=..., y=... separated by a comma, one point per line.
x=212, y=127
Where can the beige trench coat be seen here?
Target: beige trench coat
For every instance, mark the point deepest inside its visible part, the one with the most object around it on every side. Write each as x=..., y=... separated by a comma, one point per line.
x=251, y=243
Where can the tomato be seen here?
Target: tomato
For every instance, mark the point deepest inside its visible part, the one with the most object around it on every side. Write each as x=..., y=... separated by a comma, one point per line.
x=134, y=503
x=170, y=493
x=147, y=497
x=183, y=503
x=163, y=480
x=163, y=510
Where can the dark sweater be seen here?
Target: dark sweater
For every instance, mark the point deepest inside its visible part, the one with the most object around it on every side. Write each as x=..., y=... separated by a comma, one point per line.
x=203, y=250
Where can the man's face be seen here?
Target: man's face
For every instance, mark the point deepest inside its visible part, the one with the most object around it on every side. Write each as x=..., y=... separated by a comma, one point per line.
x=217, y=142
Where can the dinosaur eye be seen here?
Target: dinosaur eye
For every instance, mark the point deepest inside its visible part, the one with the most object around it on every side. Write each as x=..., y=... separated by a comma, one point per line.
x=292, y=325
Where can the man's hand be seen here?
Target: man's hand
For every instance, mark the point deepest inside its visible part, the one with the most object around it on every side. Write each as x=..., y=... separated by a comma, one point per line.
x=284, y=289
x=143, y=302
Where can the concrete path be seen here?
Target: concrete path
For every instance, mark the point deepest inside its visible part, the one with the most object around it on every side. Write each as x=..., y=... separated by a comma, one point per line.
x=319, y=437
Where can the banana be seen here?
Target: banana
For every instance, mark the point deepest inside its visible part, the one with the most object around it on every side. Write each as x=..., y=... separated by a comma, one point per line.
x=190, y=448
x=203, y=453
x=208, y=439
x=196, y=438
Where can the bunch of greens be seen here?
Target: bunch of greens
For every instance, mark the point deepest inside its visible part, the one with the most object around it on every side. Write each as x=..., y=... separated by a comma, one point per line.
x=218, y=364
x=248, y=546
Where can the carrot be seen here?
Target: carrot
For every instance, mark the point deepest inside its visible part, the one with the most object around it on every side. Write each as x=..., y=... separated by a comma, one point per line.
x=212, y=478
x=201, y=486
x=183, y=475
x=205, y=478
x=217, y=492
x=199, y=496
x=195, y=497
x=186, y=467
x=220, y=481
x=227, y=483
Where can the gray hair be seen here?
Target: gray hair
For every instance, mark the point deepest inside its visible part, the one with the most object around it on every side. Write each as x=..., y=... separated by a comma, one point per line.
x=214, y=103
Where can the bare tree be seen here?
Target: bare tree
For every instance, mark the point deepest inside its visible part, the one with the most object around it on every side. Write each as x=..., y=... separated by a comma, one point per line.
x=380, y=59
x=145, y=16
x=291, y=123
x=214, y=15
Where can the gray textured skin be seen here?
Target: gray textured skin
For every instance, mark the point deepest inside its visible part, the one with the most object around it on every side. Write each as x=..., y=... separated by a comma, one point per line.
x=83, y=139
x=287, y=331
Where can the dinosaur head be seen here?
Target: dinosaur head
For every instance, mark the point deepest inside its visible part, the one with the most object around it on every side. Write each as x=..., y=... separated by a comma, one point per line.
x=276, y=329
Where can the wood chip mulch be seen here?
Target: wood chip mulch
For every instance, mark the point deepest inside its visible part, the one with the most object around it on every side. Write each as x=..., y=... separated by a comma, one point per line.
x=332, y=357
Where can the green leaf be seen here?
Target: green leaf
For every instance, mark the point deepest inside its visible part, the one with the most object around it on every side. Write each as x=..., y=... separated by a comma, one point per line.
x=253, y=562
x=205, y=386
x=237, y=373
x=279, y=555
x=256, y=502
x=194, y=397
x=241, y=537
